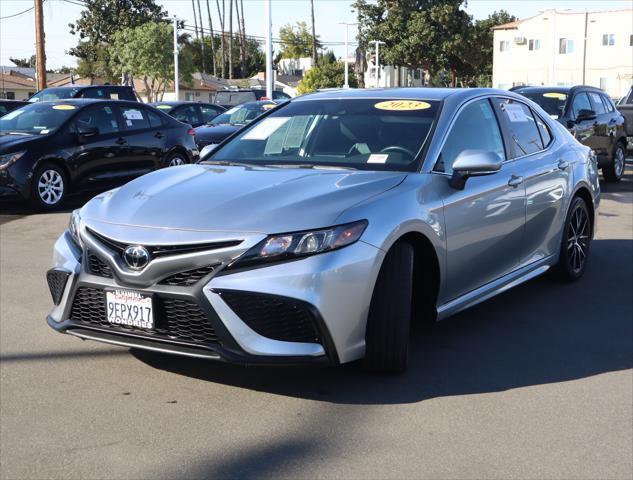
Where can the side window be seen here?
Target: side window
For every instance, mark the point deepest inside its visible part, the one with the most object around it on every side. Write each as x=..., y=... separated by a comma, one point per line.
x=475, y=128
x=186, y=114
x=103, y=117
x=580, y=102
x=523, y=129
x=546, y=134
x=95, y=93
x=154, y=119
x=608, y=104
x=596, y=101
x=135, y=118
x=209, y=113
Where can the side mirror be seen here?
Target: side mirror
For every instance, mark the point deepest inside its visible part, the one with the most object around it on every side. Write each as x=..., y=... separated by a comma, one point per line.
x=85, y=133
x=585, y=114
x=206, y=151
x=473, y=163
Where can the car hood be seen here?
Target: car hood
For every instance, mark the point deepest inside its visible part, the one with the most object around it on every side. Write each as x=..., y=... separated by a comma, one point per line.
x=237, y=199
x=215, y=133
x=11, y=143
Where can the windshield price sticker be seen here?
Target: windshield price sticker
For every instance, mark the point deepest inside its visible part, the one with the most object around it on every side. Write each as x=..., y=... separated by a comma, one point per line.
x=265, y=128
x=400, y=105
x=515, y=112
x=558, y=96
x=378, y=158
x=63, y=107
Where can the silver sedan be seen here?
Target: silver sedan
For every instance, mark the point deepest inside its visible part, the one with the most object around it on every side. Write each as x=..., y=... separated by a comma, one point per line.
x=321, y=231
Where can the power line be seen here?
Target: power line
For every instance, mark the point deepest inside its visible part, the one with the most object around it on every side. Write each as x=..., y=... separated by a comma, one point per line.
x=17, y=14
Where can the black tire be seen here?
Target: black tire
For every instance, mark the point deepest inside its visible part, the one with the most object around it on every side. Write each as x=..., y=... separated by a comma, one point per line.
x=175, y=159
x=615, y=170
x=389, y=318
x=576, y=242
x=52, y=197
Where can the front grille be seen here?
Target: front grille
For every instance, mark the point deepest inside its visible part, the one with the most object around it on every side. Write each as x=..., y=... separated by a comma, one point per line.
x=57, y=283
x=174, y=319
x=98, y=267
x=189, y=277
x=273, y=317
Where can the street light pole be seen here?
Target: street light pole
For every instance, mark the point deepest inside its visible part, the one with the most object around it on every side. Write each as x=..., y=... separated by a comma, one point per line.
x=269, y=51
x=377, y=44
x=347, y=24
x=176, y=82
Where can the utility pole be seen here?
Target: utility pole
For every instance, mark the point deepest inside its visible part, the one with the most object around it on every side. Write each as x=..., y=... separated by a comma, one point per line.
x=377, y=44
x=584, y=50
x=269, y=50
x=347, y=25
x=176, y=83
x=40, y=54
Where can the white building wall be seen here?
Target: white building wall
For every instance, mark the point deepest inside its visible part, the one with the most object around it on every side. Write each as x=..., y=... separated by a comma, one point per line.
x=288, y=66
x=609, y=67
x=389, y=76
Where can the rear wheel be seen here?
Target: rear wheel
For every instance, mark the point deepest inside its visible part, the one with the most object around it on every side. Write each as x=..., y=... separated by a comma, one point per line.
x=49, y=186
x=574, y=250
x=176, y=159
x=615, y=170
x=389, y=318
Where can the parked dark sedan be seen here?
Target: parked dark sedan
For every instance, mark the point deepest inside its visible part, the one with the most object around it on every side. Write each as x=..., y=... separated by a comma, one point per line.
x=229, y=122
x=233, y=97
x=590, y=115
x=49, y=149
x=101, y=92
x=7, y=106
x=193, y=113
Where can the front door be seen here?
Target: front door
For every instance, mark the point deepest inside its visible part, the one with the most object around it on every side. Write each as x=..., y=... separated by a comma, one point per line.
x=583, y=130
x=485, y=221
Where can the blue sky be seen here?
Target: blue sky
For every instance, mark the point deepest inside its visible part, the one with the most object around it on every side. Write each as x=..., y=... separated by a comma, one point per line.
x=17, y=36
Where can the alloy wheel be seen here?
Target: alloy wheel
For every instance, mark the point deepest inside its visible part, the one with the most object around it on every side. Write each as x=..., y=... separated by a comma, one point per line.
x=578, y=239
x=50, y=187
x=177, y=160
x=619, y=161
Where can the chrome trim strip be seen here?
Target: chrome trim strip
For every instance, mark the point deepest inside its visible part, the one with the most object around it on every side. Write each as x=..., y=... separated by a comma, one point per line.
x=251, y=341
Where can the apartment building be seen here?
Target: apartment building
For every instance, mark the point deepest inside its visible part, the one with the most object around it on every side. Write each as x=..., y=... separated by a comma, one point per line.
x=561, y=47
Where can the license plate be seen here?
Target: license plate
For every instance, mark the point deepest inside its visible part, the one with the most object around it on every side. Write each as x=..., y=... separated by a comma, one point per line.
x=128, y=308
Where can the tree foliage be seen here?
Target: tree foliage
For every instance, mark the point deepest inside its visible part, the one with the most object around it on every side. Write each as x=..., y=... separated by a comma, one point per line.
x=254, y=59
x=296, y=41
x=326, y=75
x=99, y=23
x=146, y=52
x=24, y=62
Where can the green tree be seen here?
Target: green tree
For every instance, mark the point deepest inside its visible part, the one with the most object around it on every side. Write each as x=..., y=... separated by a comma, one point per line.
x=146, y=52
x=98, y=24
x=326, y=75
x=254, y=59
x=297, y=42
x=24, y=62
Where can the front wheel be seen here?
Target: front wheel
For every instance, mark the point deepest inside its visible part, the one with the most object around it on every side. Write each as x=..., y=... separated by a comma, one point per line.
x=615, y=170
x=176, y=159
x=49, y=186
x=577, y=233
x=389, y=318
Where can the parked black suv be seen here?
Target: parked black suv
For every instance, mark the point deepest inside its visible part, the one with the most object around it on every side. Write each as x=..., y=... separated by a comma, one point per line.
x=232, y=97
x=193, y=113
x=49, y=149
x=590, y=115
x=101, y=92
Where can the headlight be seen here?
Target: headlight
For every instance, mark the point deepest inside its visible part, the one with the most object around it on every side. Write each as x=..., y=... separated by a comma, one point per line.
x=73, y=227
x=9, y=158
x=287, y=246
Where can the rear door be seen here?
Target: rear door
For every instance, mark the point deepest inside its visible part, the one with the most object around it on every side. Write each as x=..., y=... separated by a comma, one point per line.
x=144, y=142
x=546, y=175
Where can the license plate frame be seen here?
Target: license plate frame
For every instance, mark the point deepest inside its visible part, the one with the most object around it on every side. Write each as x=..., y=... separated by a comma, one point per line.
x=120, y=306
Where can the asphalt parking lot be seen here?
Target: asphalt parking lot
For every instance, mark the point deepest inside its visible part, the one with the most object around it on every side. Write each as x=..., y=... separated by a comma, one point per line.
x=536, y=383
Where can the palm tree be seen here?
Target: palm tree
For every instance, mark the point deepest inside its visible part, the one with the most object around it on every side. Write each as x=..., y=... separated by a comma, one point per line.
x=231, y=38
x=222, y=50
x=314, y=46
x=204, y=68
x=215, y=73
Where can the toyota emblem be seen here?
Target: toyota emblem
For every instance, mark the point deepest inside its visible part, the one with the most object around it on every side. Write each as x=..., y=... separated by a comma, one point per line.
x=136, y=257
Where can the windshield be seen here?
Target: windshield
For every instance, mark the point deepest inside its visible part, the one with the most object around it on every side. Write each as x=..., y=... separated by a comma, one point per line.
x=242, y=114
x=49, y=94
x=39, y=118
x=364, y=134
x=552, y=102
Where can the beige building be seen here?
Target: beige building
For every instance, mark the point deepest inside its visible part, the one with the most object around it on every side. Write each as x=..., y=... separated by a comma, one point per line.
x=550, y=49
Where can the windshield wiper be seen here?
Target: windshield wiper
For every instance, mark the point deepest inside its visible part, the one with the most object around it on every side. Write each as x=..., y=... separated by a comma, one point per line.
x=309, y=165
x=227, y=163
x=8, y=132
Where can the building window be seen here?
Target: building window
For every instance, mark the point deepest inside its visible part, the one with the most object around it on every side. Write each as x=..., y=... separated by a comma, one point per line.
x=534, y=44
x=10, y=95
x=608, y=40
x=631, y=40
x=504, y=45
x=417, y=74
x=565, y=46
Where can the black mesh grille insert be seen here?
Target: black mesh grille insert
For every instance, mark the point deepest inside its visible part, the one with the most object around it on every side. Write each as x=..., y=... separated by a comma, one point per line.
x=174, y=319
x=96, y=266
x=188, y=278
x=273, y=317
x=56, y=283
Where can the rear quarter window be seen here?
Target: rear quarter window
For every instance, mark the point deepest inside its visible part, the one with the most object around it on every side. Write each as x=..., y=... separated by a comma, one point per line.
x=135, y=118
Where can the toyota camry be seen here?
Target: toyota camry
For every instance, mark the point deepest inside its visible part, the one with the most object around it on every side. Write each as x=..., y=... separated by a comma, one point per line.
x=324, y=228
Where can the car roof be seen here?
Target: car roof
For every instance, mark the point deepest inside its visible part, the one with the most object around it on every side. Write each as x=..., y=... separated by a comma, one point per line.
x=86, y=101
x=557, y=89
x=174, y=103
x=410, y=93
x=83, y=87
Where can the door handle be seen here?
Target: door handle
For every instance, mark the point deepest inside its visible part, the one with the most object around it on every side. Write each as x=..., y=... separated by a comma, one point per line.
x=515, y=181
x=563, y=164
x=120, y=141
x=159, y=135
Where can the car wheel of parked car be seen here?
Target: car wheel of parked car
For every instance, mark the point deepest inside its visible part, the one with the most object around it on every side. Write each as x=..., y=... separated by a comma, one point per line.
x=615, y=170
x=389, y=318
x=176, y=159
x=49, y=186
x=576, y=243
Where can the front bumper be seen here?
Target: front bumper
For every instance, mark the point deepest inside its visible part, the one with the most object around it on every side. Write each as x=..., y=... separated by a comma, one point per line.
x=248, y=311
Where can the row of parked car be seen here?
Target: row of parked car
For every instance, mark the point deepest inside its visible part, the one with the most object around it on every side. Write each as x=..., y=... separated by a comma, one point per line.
x=89, y=138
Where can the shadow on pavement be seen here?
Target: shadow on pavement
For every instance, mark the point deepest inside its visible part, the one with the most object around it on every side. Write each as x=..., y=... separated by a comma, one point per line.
x=541, y=332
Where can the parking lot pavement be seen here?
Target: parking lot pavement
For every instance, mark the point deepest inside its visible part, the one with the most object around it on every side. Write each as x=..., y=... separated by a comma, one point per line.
x=536, y=383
